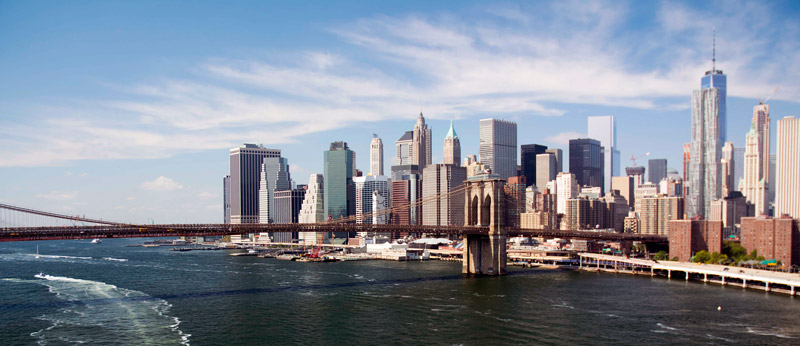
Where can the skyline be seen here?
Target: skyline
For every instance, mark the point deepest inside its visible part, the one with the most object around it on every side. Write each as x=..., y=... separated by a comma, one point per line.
x=102, y=133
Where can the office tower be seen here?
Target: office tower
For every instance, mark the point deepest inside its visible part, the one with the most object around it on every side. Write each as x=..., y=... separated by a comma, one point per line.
x=756, y=160
x=626, y=187
x=545, y=170
x=589, y=213
x=367, y=212
x=287, y=210
x=586, y=161
x=604, y=129
x=656, y=170
x=727, y=165
x=313, y=209
x=406, y=190
x=274, y=177
x=706, y=151
x=566, y=188
x=245, y=172
x=646, y=190
x=687, y=150
x=421, y=150
x=671, y=186
x=527, y=158
x=226, y=199
x=738, y=169
x=730, y=211
x=771, y=187
x=376, y=156
x=452, y=147
x=621, y=208
x=515, y=200
x=404, y=146
x=559, y=159
x=787, y=168
x=657, y=212
x=708, y=135
x=340, y=199
x=498, y=146
x=442, y=180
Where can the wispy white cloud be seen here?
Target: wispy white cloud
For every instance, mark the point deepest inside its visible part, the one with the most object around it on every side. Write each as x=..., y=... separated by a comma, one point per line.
x=206, y=195
x=58, y=195
x=522, y=60
x=161, y=183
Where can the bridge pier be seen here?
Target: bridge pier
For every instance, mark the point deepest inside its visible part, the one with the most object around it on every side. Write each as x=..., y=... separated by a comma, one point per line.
x=485, y=254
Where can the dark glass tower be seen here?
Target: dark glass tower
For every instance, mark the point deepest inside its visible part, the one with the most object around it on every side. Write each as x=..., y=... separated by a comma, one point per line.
x=586, y=161
x=528, y=154
x=340, y=191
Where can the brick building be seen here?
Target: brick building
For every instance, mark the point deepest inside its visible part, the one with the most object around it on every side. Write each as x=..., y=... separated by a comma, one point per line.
x=773, y=238
x=687, y=237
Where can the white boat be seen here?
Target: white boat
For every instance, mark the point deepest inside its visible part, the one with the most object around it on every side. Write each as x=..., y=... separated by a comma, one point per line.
x=96, y=241
x=37, y=251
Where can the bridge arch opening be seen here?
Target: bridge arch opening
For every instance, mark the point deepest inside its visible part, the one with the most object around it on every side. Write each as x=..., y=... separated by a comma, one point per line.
x=473, y=211
x=486, y=211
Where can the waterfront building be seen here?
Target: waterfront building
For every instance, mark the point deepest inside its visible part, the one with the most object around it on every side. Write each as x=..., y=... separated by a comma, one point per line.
x=626, y=187
x=566, y=188
x=312, y=210
x=376, y=156
x=708, y=135
x=728, y=166
x=657, y=212
x=787, y=168
x=226, y=199
x=528, y=158
x=366, y=211
x=687, y=237
x=546, y=169
x=515, y=200
x=245, y=172
x=340, y=201
x=656, y=170
x=274, y=176
x=604, y=129
x=586, y=161
x=774, y=238
x=287, y=210
x=443, y=180
x=452, y=147
x=559, y=154
x=498, y=146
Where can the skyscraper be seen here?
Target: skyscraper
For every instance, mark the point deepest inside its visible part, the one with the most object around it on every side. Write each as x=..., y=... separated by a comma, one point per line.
x=226, y=199
x=498, y=146
x=604, y=129
x=757, y=160
x=245, y=171
x=441, y=180
x=421, y=150
x=287, y=210
x=404, y=147
x=586, y=161
x=715, y=79
x=339, y=189
x=452, y=147
x=366, y=210
x=376, y=156
x=656, y=170
x=527, y=158
x=787, y=168
x=559, y=159
x=706, y=149
x=545, y=170
x=727, y=165
x=566, y=188
x=313, y=209
x=274, y=177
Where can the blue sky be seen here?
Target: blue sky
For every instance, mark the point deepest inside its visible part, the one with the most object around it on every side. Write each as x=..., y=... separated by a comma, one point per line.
x=126, y=110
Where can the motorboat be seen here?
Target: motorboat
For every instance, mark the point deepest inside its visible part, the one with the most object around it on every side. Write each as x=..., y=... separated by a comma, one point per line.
x=96, y=241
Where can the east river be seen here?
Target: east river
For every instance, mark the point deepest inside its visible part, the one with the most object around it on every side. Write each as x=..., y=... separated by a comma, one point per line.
x=78, y=292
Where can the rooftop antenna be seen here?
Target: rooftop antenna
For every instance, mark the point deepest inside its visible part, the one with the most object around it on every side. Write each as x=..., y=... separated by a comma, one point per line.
x=714, y=52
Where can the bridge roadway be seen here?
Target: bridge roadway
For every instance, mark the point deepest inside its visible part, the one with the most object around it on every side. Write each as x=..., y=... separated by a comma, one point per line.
x=174, y=230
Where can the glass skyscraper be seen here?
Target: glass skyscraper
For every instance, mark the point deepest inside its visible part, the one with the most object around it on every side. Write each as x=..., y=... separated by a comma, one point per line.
x=498, y=146
x=716, y=79
x=586, y=161
x=340, y=191
x=604, y=129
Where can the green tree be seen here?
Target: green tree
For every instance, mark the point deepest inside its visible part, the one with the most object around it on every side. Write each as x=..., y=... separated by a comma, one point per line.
x=734, y=250
x=701, y=256
x=716, y=258
x=661, y=256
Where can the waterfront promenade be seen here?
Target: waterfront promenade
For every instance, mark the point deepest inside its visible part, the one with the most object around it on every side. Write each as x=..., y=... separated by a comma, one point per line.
x=765, y=280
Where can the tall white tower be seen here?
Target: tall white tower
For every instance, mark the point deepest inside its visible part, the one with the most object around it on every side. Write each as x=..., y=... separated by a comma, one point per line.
x=787, y=168
x=376, y=156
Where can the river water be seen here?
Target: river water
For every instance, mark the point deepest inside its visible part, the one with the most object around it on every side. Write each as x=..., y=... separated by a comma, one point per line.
x=77, y=292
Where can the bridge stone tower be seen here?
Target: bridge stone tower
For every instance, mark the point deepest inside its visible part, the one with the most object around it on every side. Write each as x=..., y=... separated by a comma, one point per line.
x=485, y=254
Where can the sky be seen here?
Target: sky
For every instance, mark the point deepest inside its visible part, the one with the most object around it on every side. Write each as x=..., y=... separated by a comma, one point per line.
x=127, y=110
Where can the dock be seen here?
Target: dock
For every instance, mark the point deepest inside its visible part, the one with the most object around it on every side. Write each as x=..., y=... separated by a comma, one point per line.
x=757, y=279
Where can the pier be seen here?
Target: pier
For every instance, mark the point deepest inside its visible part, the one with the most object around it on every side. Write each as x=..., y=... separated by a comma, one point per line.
x=758, y=279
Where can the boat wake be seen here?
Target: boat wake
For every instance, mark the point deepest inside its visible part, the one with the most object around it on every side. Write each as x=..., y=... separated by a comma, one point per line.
x=101, y=313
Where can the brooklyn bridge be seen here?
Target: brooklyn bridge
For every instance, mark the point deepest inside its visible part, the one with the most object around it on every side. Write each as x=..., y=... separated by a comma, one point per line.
x=484, y=231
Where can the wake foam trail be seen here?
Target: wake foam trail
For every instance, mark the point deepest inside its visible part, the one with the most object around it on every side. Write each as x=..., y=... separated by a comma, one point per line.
x=101, y=313
x=115, y=259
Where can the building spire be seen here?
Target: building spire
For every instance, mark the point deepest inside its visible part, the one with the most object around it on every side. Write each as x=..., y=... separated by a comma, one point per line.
x=714, y=52
x=452, y=132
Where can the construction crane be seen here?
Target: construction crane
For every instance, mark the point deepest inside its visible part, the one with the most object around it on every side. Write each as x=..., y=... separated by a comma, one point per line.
x=768, y=96
x=634, y=158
